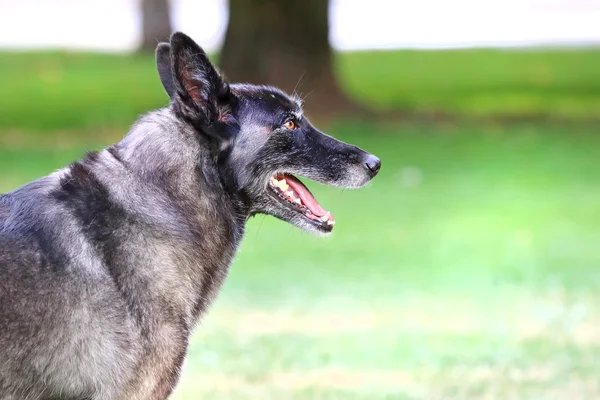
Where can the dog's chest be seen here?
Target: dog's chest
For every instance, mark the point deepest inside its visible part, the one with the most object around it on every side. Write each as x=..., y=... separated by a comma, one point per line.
x=184, y=272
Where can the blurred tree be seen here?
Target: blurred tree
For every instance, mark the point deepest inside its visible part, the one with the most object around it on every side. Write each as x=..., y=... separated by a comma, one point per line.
x=156, y=23
x=285, y=44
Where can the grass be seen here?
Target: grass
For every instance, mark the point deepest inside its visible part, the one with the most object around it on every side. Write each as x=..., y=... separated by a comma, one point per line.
x=75, y=90
x=482, y=83
x=87, y=91
x=469, y=269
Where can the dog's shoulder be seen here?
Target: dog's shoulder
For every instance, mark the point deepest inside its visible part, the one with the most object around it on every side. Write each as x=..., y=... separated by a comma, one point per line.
x=32, y=223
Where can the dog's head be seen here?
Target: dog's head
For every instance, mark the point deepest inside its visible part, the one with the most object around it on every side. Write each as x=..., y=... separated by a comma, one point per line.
x=260, y=139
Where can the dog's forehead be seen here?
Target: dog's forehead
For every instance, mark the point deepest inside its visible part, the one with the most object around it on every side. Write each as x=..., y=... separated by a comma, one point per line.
x=273, y=99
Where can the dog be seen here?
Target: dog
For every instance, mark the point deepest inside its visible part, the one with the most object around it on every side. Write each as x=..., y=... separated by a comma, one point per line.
x=107, y=265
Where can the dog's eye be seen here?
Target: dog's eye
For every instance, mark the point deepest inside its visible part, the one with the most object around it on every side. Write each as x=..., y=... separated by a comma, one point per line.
x=290, y=124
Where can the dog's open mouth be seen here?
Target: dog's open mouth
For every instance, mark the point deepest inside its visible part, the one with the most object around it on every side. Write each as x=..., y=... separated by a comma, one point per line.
x=298, y=197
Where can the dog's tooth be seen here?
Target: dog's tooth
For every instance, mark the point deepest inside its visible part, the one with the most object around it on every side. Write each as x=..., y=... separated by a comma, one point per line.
x=282, y=185
x=297, y=201
x=325, y=217
x=290, y=194
x=330, y=222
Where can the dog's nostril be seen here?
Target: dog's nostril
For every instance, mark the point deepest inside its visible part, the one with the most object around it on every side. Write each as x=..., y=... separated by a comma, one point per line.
x=373, y=164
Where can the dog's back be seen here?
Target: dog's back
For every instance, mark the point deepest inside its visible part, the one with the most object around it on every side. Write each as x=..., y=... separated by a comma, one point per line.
x=4, y=210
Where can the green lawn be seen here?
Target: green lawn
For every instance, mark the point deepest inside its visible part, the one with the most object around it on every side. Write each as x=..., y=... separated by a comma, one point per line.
x=57, y=91
x=468, y=269
x=545, y=83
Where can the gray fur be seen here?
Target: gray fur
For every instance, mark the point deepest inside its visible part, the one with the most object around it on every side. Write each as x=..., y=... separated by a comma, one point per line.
x=107, y=265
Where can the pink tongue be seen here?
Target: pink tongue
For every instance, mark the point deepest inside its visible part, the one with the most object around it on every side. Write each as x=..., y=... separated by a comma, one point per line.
x=307, y=199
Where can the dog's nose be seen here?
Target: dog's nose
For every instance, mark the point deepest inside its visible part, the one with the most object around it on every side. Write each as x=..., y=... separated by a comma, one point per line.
x=373, y=164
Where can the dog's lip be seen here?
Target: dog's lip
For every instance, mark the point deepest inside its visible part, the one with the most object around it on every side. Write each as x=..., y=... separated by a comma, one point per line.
x=292, y=193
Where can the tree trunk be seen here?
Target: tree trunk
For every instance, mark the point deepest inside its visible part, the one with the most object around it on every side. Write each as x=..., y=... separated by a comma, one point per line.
x=156, y=23
x=285, y=43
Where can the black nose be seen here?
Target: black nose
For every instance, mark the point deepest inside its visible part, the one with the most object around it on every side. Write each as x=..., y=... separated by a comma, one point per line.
x=373, y=164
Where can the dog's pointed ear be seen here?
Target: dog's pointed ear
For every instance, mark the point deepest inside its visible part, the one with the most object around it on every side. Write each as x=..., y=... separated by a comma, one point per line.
x=203, y=95
x=163, y=64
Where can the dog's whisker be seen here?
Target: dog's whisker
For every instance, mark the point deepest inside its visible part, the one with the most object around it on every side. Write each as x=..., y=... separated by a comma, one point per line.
x=309, y=93
x=298, y=83
x=260, y=224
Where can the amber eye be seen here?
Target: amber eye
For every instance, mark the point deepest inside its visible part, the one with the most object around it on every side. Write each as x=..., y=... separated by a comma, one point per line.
x=290, y=124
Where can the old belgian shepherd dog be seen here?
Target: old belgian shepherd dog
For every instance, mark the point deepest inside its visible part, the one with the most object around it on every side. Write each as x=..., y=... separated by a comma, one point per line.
x=107, y=264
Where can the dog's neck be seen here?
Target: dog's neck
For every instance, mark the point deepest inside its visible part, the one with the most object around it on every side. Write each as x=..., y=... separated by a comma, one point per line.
x=162, y=173
x=163, y=150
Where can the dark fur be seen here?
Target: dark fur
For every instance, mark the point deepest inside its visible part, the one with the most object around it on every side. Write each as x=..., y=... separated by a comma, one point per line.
x=106, y=266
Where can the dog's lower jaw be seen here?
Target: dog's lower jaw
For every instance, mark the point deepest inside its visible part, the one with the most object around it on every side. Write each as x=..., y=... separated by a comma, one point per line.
x=297, y=220
x=314, y=230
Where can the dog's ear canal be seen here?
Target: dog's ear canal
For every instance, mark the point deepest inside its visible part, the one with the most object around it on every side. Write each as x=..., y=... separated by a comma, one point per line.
x=201, y=92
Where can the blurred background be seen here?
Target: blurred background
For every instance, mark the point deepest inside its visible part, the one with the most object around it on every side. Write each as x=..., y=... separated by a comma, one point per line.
x=469, y=269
